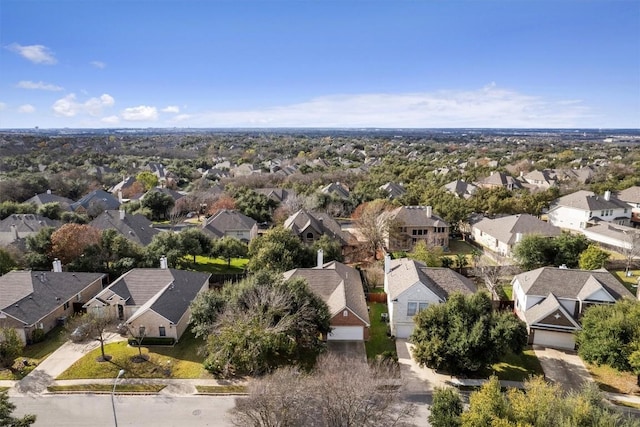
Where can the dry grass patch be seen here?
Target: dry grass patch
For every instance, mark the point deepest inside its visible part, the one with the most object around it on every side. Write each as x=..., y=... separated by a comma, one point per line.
x=221, y=389
x=614, y=381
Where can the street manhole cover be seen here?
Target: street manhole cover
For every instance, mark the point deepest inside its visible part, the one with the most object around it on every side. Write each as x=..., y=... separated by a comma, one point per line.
x=196, y=412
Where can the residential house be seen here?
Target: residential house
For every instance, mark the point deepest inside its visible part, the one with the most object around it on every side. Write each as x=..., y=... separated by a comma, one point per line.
x=579, y=210
x=337, y=190
x=279, y=195
x=17, y=227
x=461, y=189
x=48, y=197
x=31, y=300
x=154, y=301
x=406, y=225
x=411, y=287
x=542, y=180
x=500, y=235
x=340, y=286
x=175, y=195
x=551, y=301
x=312, y=226
x=619, y=238
x=499, y=180
x=135, y=227
x=631, y=196
x=96, y=202
x=393, y=190
x=231, y=223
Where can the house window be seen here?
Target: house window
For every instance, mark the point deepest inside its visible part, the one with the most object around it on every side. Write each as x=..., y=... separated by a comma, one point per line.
x=345, y=313
x=141, y=331
x=309, y=236
x=420, y=232
x=414, y=232
x=162, y=331
x=414, y=307
x=66, y=305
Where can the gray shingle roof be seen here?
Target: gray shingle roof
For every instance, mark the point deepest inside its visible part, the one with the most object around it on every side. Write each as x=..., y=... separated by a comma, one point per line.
x=168, y=292
x=505, y=229
x=136, y=228
x=321, y=222
x=415, y=216
x=501, y=179
x=589, y=201
x=406, y=272
x=31, y=295
x=339, y=285
x=27, y=223
x=461, y=188
x=568, y=283
x=97, y=196
x=43, y=198
x=228, y=220
x=630, y=195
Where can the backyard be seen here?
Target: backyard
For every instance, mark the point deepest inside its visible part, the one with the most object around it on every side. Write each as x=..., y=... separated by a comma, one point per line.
x=379, y=343
x=217, y=265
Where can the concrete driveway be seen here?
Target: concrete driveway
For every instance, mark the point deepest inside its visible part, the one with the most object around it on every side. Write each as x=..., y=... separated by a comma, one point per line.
x=348, y=349
x=563, y=367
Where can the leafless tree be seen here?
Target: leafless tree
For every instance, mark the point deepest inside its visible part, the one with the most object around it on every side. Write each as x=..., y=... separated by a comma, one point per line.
x=368, y=396
x=491, y=274
x=373, y=228
x=631, y=247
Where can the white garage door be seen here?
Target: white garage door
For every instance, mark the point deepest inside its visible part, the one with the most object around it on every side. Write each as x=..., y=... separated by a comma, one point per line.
x=404, y=331
x=554, y=339
x=347, y=333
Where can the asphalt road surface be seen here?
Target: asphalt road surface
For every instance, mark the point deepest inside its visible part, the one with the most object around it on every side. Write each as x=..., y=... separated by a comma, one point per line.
x=95, y=410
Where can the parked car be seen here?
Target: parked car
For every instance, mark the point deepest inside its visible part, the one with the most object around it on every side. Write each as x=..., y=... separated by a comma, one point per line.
x=81, y=333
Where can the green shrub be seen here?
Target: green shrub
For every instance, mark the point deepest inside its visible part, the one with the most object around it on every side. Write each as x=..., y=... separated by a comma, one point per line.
x=147, y=341
x=37, y=335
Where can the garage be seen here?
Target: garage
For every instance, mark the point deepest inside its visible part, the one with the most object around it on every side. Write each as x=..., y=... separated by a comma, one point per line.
x=346, y=333
x=554, y=339
x=404, y=331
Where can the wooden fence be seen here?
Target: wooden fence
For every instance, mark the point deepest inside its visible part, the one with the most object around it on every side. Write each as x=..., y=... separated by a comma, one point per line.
x=377, y=297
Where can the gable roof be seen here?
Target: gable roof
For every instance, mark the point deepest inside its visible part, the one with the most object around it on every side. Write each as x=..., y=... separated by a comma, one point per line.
x=630, y=195
x=336, y=188
x=589, y=201
x=134, y=227
x=501, y=179
x=545, y=308
x=321, y=222
x=339, y=285
x=393, y=190
x=168, y=291
x=415, y=216
x=228, y=220
x=48, y=197
x=569, y=283
x=506, y=229
x=31, y=295
x=27, y=223
x=406, y=272
x=97, y=196
x=461, y=188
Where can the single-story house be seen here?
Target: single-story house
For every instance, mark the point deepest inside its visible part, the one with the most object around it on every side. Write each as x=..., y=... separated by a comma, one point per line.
x=134, y=227
x=340, y=286
x=551, y=301
x=231, y=223
x=31, y=300
x=154, y=300
x=411, y=287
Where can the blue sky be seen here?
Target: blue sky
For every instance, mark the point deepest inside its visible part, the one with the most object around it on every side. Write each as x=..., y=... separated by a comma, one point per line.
x=335, y=63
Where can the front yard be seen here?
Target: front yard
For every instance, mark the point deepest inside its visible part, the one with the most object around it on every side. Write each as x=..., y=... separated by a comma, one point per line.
x=35, y=354
x=517, y=367
x=614, y=381
x=180, y=361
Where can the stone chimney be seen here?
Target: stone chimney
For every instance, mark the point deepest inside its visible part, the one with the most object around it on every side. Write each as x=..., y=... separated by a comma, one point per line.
x=320, y=261
x=14, y=232
x=163, y=262
x=57, y=266
x=429, y=211
x=122, y=214
x=607, y=195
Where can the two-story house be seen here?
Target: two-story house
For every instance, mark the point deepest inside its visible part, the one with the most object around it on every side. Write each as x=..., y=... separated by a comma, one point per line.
x=551, y=301
x=406, y=225
x=631, y=196
x=579, y=210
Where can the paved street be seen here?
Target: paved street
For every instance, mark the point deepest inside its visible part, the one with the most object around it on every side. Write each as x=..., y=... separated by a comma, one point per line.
x=84, y=410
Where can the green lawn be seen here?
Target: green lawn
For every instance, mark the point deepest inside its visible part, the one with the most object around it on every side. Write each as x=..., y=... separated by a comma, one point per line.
x=460, y=247
x=517, y=367
x=378, y=342
x=107, y=388
x=218, y=266
x=179, y=361
x=221, y=389
x=628, y=282
x=508, y=291
x=35, y=354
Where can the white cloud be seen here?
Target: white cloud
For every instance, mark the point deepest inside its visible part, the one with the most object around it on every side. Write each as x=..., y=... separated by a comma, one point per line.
x=27, y=84
x=490, y=106
x=110, y=120
x=171, y=109
x=37, y=53
x=26, y=109
x=140, y=113
x=70, y=107
x=98, y=64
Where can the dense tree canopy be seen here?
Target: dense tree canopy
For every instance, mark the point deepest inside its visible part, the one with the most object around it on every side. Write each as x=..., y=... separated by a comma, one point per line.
x=279, y=249
x=593, y=258
x=260, y=324
x=610, y=335
x=465, y=334
x=535, y=251
x=70, y=241
x=228, y=248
